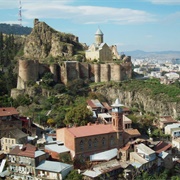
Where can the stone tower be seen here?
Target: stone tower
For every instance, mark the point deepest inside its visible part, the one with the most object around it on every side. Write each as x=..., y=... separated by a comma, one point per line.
x=98, y=37
x=117, y=116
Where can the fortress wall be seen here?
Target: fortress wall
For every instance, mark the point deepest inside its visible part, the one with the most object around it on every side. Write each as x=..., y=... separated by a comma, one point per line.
x=72, y=69
x=127, y=70
x=91, y=72
x=84, y=70
x=97, y=72
x=28, y=70
x=104, y=72
x=54, y=70
x=115, y=72
x=63, y=72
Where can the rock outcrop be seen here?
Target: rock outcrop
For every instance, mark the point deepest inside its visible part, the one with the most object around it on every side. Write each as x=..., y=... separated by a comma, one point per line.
x=45, y=42
x=130, y=98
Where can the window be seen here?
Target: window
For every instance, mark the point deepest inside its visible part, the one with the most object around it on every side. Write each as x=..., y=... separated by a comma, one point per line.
x=95, y=142
x=89, y=143
x=103, y=141
x=81, y=145
x=112, y=141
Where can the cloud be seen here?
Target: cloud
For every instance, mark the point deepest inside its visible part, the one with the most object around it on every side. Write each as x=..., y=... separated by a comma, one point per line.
x=85, y=14
x=12, y=4
x=8, y=4
x=165, y=2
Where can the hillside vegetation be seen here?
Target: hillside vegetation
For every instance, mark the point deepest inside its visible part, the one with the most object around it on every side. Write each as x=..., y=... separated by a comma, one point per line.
x=154, y=89
x=14, y=29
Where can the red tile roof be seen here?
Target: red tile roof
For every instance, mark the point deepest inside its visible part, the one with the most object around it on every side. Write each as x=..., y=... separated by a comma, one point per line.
x=94, y=103
x=133, y=132
x=27, y=150
x=125, y=148
x=90, y=130
x=106, y=105
x=167, y=119
x=8, y=111
x=162, y=146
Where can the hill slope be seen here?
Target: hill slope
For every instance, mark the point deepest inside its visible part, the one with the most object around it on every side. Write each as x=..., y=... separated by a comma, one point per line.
x=14, y=29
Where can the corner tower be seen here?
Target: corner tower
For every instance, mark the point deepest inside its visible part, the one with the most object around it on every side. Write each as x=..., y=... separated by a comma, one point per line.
x=98, y=37
x=117, y=116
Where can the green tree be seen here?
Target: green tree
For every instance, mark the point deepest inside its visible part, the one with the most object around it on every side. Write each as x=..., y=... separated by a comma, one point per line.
x=47, y=79
x=79, y=115
x=74, y=175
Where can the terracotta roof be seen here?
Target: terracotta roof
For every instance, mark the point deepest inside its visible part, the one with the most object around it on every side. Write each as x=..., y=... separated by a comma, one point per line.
x=94, y=103
x=27, y=150
x=8, y=111
x=89, y=130
x=132, y=132
x=125, y=148
x=106, y=105
x=126, y=109
x=162, y=146
x=167, y=119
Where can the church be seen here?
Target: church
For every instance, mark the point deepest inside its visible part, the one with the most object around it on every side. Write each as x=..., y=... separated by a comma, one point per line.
x=84, y=141
x=100, y=51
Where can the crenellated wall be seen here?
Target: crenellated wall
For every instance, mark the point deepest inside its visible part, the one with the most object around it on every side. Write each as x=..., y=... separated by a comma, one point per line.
x=31, y=70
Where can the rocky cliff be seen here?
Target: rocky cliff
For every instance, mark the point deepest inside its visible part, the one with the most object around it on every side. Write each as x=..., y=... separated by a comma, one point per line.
x=45, y=42
x=146, y=103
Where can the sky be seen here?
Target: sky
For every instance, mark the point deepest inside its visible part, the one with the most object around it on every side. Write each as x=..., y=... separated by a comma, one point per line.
x=148, y=25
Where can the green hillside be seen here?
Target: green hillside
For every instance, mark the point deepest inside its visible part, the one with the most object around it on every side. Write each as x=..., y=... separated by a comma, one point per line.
x=14, y=29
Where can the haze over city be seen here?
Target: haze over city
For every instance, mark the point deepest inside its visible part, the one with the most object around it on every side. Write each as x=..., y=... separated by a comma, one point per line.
x=149, y=25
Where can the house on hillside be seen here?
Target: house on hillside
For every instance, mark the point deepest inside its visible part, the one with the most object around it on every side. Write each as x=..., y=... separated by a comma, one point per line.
x=143, y=157
x=165, y=120
x=9, y=120
x=52, y=170
x=23, y=160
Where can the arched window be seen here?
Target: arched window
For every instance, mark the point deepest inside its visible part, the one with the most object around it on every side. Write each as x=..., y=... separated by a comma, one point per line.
x=103, y=141
x=112, y=140
x=95, y=142
x=81, y=145
x=89, y=144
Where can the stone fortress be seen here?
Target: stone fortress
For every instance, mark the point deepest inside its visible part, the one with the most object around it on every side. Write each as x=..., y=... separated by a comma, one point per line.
x=31, y=68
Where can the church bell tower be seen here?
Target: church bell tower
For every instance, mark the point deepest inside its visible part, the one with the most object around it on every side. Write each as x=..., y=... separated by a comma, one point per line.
x=117, y=116
x=98, y=37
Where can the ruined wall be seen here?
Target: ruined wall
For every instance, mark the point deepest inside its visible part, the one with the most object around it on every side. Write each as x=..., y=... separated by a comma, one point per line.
x=97, y=73
x=70, y=70
x=84, y=70
x=54, y=70
x=105, y=72
x=115, y=72
x=28, y=70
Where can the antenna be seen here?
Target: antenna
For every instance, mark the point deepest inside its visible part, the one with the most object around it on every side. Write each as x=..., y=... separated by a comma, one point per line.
x=20, y=15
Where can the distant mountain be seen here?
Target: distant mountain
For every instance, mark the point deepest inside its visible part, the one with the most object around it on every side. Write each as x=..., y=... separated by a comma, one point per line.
x=158, y=54
x=14, y=29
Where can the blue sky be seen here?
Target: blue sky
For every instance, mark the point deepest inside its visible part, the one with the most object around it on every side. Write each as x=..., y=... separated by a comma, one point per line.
x=149, y=25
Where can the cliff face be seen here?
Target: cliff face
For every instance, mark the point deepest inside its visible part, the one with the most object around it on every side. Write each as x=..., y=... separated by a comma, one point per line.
x=136, y=98
x=44, y=41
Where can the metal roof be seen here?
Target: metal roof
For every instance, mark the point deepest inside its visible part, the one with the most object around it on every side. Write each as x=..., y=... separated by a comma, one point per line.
x=99, y=32
x=53, y=166
x=39, y=153
x=104, y=156
x=57, y=148
x=117, y=103
x=145, y=149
